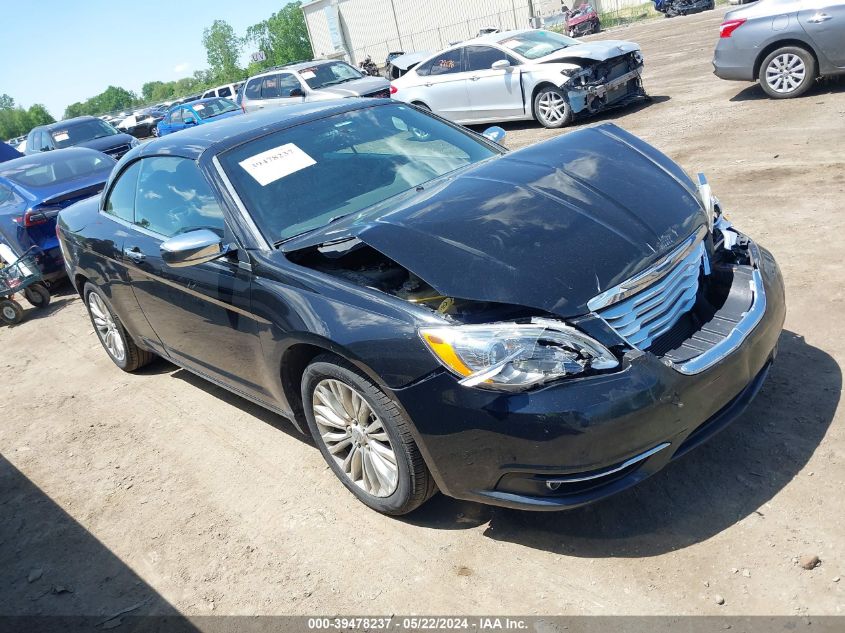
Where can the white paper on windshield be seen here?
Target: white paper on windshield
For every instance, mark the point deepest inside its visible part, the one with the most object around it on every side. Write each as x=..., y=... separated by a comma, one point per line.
x=199, y=107
x=61, y=136
x=510, y=43
x=307, y=74
x=276, y=163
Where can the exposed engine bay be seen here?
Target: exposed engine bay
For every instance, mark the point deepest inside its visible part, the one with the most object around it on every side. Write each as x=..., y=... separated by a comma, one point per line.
x=612, y=82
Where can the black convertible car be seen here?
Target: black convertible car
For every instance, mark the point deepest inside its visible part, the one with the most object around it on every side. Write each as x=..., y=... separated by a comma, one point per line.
x=536, y=329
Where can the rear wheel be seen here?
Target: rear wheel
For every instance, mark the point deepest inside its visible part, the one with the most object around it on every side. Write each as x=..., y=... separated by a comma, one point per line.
x=115, y=340
x=364, y=437
x=551, y=108
x=37, y=295
x=787, y=72
x=11, y=311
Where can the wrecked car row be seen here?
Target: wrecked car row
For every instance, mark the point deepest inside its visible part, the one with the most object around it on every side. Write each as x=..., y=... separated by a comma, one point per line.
x=522, y=75
x=536, y=329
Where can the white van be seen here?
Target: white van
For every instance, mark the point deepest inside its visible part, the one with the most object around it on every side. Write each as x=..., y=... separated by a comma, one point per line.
x=229, y=91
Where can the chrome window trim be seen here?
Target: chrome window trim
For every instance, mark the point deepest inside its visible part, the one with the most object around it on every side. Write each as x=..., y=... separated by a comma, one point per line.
x=554, y=484
x=649, y=276
x=245, y=216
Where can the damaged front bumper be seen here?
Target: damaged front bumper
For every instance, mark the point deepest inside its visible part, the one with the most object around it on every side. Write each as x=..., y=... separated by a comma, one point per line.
x=594, y=97
x=583, y=439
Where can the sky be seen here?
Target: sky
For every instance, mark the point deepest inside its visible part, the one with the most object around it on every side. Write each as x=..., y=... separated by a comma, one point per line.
x=57, y=52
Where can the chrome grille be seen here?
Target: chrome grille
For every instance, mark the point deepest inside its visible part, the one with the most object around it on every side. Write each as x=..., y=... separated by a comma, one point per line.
x=642, y=317
x=117, y=152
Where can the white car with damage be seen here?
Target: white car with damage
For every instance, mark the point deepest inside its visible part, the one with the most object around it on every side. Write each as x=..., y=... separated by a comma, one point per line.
x=523, y=75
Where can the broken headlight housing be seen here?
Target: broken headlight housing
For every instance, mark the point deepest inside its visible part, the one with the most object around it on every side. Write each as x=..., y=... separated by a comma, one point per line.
x=710, y=202
x=515, y=356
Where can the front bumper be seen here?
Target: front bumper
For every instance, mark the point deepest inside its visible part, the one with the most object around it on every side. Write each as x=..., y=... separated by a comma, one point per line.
x=580, y=440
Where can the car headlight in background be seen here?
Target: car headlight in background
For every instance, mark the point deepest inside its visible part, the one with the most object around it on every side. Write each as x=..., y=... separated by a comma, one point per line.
x=515, y=356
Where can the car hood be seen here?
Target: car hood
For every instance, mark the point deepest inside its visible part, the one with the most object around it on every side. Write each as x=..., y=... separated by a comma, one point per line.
x=548, y=227
x=597, y=51
x=357, y=87
x=107, y=142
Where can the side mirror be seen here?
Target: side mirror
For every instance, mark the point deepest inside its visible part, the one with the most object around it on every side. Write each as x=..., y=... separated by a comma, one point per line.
x=296, y=92
x=495, y=133
x=500, y=64
x=192, y=248
x=190, y=121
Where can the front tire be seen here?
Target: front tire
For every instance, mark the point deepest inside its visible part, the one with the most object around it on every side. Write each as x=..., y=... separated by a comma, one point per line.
x=364, y=437
x=551, y=108
x=787, y=72
x=115, y=340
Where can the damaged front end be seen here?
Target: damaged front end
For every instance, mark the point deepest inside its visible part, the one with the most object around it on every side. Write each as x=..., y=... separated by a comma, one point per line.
x=598, y=85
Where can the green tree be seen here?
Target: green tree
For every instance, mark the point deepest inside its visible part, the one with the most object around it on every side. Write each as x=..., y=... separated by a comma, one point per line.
x=6, y=102
x=283, y=37
x=150, y=88
x=223, y=48
x=38, y=115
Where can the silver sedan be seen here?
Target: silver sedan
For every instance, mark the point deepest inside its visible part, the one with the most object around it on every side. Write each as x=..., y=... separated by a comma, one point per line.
x=785, y=44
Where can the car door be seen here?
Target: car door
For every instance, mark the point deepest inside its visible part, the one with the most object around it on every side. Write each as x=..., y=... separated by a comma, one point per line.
x=445, y=85
x=189, y=116
x=201, y=314
x=276, y=90
x=494, y=93
x=824, y=22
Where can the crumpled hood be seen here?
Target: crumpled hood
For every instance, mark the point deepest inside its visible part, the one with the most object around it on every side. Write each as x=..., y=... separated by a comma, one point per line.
x=597, y=51
x=358, y=87
x=548, y=227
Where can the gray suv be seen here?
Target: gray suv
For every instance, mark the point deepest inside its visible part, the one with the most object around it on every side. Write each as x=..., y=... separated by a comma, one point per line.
x=309, y=81
x=785, y=44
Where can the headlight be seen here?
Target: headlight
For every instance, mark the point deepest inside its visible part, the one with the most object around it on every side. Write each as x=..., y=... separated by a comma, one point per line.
x=134, y=142
x=514, y=356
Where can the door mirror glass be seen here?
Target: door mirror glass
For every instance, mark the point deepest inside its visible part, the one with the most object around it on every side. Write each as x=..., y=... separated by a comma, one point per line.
x=189, y=120
x=192, y=248
x=495, y=133
x=502, y=63
x=297, y=92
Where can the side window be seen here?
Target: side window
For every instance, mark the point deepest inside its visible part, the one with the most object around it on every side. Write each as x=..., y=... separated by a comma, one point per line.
x=210, y=93
x=176, y=116
x=288, y=83
x=188, y=115
x=121, y=200
x=224, y=92
x=447, y=63
x=174, y=197
x=270, y=87
x=6, y=195
x=483, y=57
x=253, y=89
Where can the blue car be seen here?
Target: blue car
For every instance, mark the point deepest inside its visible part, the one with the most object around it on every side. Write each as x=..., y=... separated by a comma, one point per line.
x=196, y=113
x=33, y=189
x=7, y=152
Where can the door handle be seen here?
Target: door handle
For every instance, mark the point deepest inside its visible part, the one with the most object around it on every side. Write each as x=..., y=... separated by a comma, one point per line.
x=134, y=254
x=474, y=78
x=428, y=85
x=820, y=17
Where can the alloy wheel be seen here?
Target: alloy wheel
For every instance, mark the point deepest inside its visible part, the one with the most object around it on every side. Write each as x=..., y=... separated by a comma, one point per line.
x=551, y=107
x=106, y=327
x=785, y=73
x=355, y=437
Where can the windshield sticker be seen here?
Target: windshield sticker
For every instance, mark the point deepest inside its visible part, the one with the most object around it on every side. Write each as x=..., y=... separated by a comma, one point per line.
x=199, y=107
x=307, y=74
x=276, y=163
x=510, y=43
x=61, y=136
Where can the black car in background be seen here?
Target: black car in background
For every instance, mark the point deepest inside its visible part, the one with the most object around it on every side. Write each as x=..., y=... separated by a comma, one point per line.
x=536, y=329
x=83, y=131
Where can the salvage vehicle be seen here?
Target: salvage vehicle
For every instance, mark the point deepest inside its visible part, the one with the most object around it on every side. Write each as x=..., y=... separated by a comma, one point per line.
x=195, y=113
x=785, y=45
x=524, y=75
x=673, y=8
x=320, y=80
x=536, y=329
x=83, y=131
x=583, y=21
x=401, y=64
x=33, y=189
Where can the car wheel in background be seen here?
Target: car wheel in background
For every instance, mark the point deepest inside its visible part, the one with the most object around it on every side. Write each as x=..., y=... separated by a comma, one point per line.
x=38, y=296
x=117, y=343
x=551, y=108
x=364, y=437
x=11, y=312
x=787, y=72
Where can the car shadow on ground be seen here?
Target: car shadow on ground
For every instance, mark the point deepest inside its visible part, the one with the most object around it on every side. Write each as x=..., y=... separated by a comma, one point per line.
x=728, y=479
x=824, y=86
x=51, y=566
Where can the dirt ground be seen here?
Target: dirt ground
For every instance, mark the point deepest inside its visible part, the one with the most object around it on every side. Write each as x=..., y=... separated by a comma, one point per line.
x=160, y=493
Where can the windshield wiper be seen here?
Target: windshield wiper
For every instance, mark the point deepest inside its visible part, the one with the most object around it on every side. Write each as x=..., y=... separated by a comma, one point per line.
x=320, y=226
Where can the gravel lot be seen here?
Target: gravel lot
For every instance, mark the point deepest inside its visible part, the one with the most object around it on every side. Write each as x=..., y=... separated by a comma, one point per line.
x=164, y=493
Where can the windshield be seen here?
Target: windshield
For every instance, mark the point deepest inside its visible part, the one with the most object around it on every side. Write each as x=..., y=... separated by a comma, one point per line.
x=80, y=132
x=330, y=74
x=55, y=168
x=214, y=107
x=299, y=179
x=536, y=44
